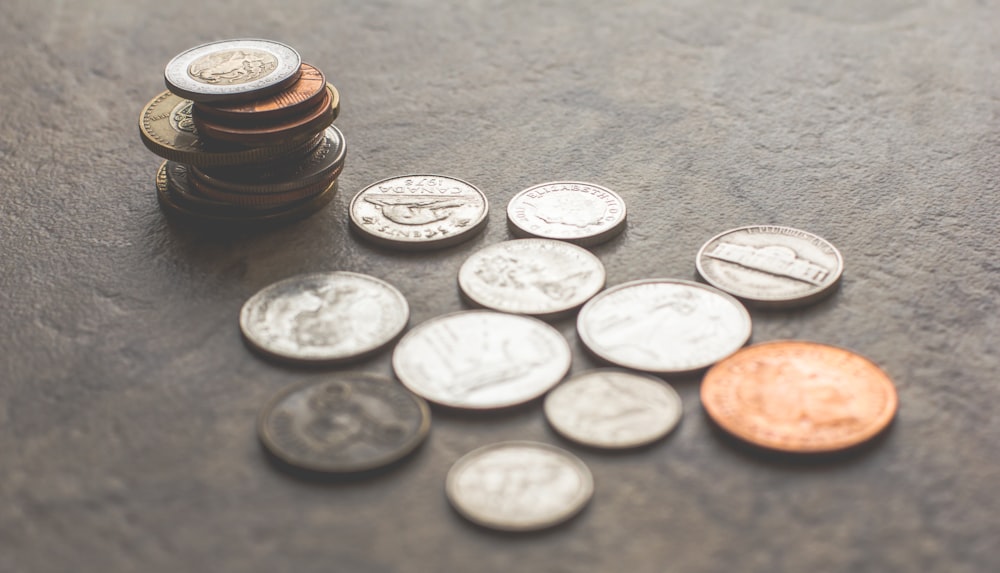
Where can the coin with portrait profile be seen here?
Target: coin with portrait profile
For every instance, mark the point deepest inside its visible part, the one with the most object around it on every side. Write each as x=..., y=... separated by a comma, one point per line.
x=351, y=422
x=573, y=211
x=232, y=70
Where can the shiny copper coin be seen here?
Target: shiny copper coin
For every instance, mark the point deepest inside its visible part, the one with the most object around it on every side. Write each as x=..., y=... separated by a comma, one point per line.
x=801, y=397
x=308, y=123
x=304, y=94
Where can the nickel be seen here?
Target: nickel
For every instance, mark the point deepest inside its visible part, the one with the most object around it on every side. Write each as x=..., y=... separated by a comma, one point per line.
x=581, y=213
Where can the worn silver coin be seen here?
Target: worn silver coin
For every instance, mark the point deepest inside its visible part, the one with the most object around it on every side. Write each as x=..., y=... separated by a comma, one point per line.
x=581, y=213
x=663, y=325
x=538, y=277
x=771, y=266
x=610, y=408
x=324, y=318
x=349, y=423
x=519, y=486
x=419, y=212
x=480, y=359
x=232, y=70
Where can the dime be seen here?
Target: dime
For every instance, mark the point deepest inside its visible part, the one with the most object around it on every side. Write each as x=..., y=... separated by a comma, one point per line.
x=306, y=93
x=797, y=396
x=611, y=408
x=767, y=265
x=581, y=213
x=538, y=277
x=232, y=70
x=519, y=486
x=479, y=359
x=324, y=318
x=419, y=211
x=663, y=325
x=274, y=133
x=351, y=422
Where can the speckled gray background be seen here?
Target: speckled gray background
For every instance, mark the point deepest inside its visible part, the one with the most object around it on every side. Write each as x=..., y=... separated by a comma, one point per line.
x=127, y=398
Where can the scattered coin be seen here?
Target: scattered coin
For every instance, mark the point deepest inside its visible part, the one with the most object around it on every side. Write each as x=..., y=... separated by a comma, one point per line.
x=611, y=408
x=232, y=70
x=801, y=397
x=768, y=265
x=519, y=486
x=479, y=359
x=581, y=213
x=352, y=422
x=663, y=325
x=324, y=318
x=539, y=277
x=306, y=93
x=419, y=211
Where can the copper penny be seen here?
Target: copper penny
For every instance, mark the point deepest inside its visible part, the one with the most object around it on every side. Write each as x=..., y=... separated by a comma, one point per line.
x=304, y=94
x=306, y=124
x=800, y=397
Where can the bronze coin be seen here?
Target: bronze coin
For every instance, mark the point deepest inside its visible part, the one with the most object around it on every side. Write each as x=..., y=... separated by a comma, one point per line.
x=799, y=397
x=310, y=122
x=304, y=94
x=263, y=200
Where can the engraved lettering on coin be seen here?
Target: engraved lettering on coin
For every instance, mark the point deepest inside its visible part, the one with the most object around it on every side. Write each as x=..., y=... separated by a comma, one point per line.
x=230, y=67
x=181, y=118
x=581, y=213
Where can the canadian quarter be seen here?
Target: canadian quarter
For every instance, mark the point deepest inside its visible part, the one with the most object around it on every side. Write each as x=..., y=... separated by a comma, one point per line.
x=581, y=213
x=232, y=70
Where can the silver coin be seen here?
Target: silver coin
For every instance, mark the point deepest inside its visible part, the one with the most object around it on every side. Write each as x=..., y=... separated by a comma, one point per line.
x=324, y=318
x=232, y=70
x=581, y=213
x=351, y=423
x=768, y=265
x=479, y=359
x=663, y=325
x=611, y=408
x=539, y=277
x=519, y=486
x=419, y=211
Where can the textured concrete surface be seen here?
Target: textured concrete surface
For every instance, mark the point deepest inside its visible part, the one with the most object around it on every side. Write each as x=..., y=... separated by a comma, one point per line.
x=127, y=399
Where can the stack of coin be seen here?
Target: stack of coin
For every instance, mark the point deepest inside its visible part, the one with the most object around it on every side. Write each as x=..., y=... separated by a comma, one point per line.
x=246, y=129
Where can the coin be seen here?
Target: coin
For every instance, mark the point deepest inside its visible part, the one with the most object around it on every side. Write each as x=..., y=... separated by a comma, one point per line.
x=797, y=396
x=419, y=211
x=581, y=213
x=479, y=359
x=274, y=133
x=349, y=423
x=768, y=265
x=232, y=70
x=663, y=325
x=539, y=277
x=519, y=486
x=324, y=318
x=262, y=200
x=305, y=93
x=611, y=408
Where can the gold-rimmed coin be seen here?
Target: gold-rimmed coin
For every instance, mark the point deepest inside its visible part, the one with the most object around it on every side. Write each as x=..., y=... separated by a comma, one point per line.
x=290, y=128
x=304, y=94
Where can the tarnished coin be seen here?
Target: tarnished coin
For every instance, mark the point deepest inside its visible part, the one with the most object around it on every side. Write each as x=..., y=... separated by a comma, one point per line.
x=349, y=423
x=581, y=213
x=519, y=486
x=539, y=277
x=305, y=93
x=479, y=359
x=232, y=70
x=797, y=396
x=611, y=408
x=663, y=325
x=419, y=211
x=767, y=265
x=324, y=318
x=278, y=131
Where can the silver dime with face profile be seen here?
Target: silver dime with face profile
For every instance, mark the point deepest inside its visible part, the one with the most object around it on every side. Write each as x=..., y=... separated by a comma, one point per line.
x=663, y=326
x=480, y=359
x=538, y=277
x=419, y=212
x=232, y=70
x=351, y=422
x=611, y=408
x=771, y=266
x=581, y=213
x=324, y=318
x=519, y=486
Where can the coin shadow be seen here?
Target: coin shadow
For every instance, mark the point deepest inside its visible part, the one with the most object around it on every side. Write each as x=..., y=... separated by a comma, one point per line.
x=529, y=408
x=513, y=535
x=367, y=477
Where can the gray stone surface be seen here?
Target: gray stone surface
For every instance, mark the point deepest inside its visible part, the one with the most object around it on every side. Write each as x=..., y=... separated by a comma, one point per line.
x=127, y=398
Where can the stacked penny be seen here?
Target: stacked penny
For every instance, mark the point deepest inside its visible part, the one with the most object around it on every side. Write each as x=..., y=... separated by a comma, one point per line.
x=246, y=131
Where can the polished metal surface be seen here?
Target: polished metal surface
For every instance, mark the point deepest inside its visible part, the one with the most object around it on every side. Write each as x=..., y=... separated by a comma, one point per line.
x=232, y=70
x=581, y=213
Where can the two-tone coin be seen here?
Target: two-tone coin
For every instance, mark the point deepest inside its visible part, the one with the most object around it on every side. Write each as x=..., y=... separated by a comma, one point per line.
x=799, y=397
x=351, y=422
x=519, y=486
x=419, y=212
x=324, y=318
x=769, y=265
x=581, y=213
x=539, y=277
x=663, y=325
x=481, y=359
x=232, y=70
